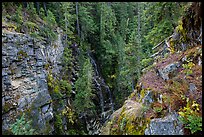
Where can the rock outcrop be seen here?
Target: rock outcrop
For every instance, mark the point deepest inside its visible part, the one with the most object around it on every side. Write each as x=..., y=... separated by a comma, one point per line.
x=169, y=125
x=25, y=61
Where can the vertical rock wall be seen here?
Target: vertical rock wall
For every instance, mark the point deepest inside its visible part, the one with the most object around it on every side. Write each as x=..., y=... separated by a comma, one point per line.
x=24, y=79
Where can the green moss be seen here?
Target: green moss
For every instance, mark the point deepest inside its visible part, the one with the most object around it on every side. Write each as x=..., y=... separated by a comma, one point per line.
x=130, y=125
x=21, y=54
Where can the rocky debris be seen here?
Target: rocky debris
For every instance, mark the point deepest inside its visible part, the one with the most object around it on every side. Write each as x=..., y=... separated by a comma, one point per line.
x=168, y=70
x=168, y=125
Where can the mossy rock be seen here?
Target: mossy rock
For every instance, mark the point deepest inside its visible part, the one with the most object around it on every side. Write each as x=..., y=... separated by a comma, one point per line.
x=128, y=120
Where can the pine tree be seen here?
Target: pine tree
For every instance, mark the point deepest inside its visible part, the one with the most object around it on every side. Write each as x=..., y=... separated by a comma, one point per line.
x=83, y=99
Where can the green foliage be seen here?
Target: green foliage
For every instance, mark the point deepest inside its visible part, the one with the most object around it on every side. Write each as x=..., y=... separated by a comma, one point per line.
x=87, y=23
x=158, y=109
x=31, y=27
x=189, y=115
x=67, y=58
x=22, y=127
x=65, y=86
x=50, y=80
x=75, y=132
x=163, y=17
x=84, y=89
x=69, y=113
x=188, y=68
x=18, y=18
x=32, y=11
x=58, y=124
x=146, y=62
x=47, y=31
x=54, y=88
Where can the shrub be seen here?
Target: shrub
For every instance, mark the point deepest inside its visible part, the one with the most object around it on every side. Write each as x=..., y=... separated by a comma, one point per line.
x=188, y=68
x=58, y=124
x=147, y=62
x=22, y=127
x=65, y=86
x=69, y=113
x=189, y=115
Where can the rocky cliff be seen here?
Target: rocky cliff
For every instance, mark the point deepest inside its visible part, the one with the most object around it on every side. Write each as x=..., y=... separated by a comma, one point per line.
x=25, y=61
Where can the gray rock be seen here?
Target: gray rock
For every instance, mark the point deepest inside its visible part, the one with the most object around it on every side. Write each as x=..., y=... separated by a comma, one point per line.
x=171, y=68
x=192, y=87
x=48, y=116
x=4, y=52
x=39, y=63
x=4, y=62
x=22, y=103
x=6, y=80
x=176, y=36
x=199, y=61
x=45, y=108
x=42, y=98
x=4, y=73
x=6, y=98
x=184, y=59
x=148, y=99
x=169, y=125
x=42, y=83
x=183, y=46
x=18, y=73
x=33, y=82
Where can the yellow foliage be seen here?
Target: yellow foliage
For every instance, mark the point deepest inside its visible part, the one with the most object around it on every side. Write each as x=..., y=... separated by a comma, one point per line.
x=172, y=46
x=113, y=76
x=69, y=114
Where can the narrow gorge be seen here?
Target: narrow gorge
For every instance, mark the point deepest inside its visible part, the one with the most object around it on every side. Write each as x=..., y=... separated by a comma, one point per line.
x=104, y=68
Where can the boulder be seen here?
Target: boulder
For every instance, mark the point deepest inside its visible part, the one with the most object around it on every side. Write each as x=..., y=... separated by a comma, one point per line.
x=169, y=125
x=167, y=70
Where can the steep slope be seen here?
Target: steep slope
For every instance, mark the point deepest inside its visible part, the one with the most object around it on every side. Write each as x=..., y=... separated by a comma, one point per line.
x=168, y=96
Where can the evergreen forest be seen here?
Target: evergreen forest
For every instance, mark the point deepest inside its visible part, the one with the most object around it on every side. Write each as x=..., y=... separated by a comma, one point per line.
x=101, y=68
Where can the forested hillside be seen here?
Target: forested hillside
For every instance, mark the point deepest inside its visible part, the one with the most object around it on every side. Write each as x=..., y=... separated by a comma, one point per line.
x=92, y=68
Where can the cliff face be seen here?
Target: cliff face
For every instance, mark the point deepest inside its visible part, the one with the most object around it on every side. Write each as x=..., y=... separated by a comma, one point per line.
x=25, y=61
x=168, y=96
